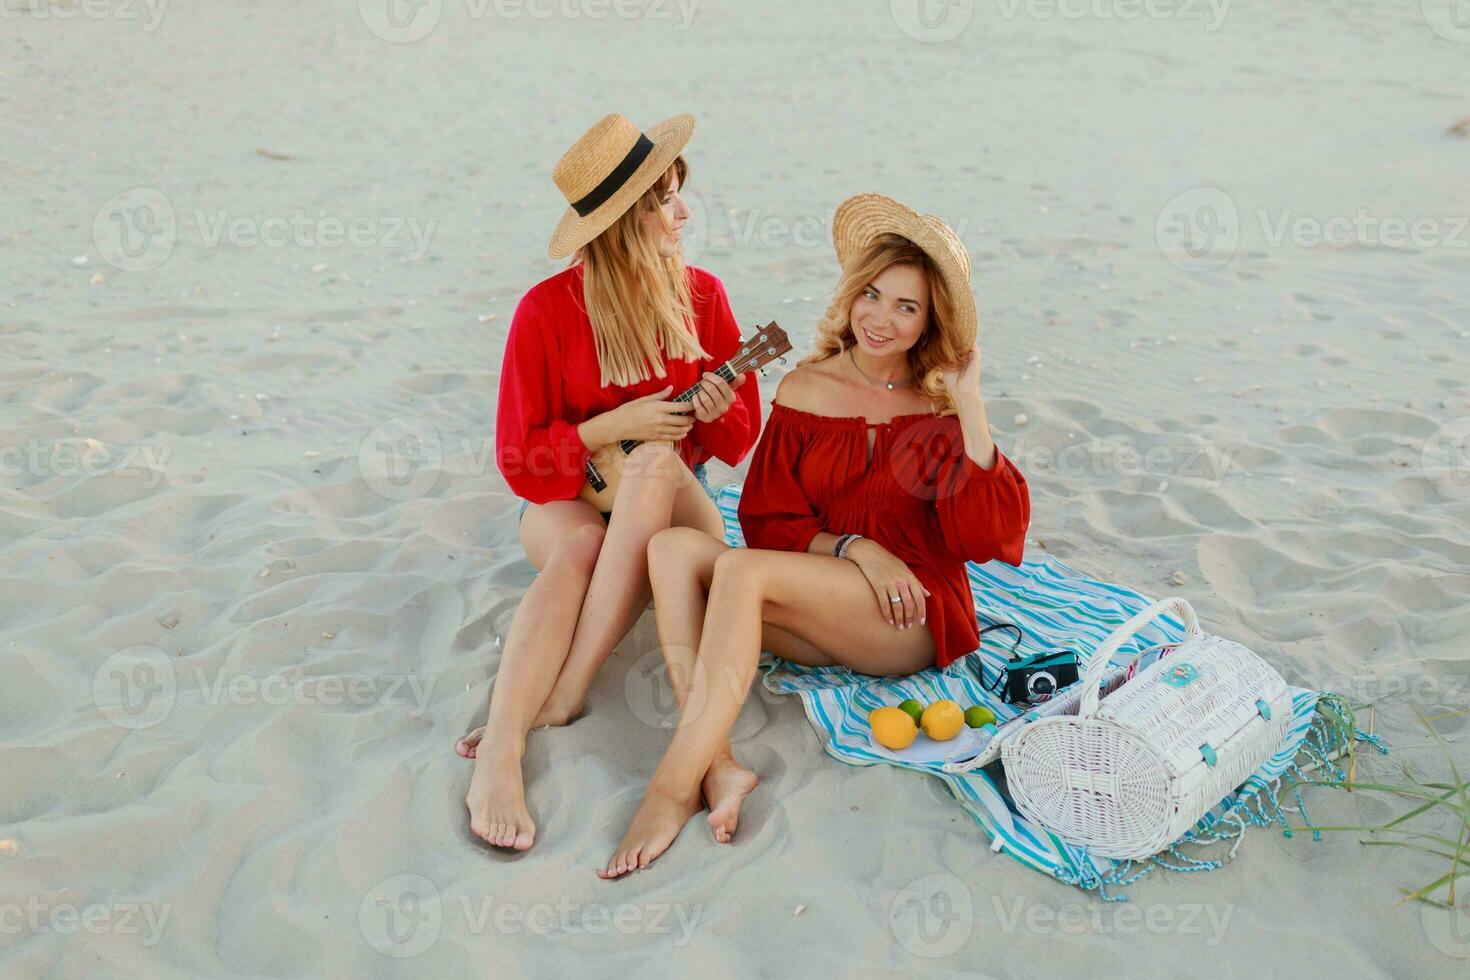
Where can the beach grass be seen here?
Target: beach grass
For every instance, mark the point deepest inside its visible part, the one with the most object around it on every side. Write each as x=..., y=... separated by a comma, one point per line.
x=1429, y=799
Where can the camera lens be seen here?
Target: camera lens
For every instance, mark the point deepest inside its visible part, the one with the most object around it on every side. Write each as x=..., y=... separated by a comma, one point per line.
x=1041, y=685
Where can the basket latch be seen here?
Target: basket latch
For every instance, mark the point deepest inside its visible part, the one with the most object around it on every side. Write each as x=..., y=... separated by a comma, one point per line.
x=1264, y=709
x=1180, y=675
x=1088, y=781
x=1209, y=753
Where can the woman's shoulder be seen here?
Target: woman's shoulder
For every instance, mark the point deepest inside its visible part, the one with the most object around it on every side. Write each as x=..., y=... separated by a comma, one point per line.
x=555, y=287
x=548, y=303
x=705, y=288
x=702, y=278
x=807, y=387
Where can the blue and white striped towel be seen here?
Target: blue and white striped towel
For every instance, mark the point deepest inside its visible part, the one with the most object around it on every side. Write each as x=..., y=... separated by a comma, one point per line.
x=1059, y=608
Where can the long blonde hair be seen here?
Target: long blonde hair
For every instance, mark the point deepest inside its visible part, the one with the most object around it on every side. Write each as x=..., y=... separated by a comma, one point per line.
x=935, y=350
x=638, y=301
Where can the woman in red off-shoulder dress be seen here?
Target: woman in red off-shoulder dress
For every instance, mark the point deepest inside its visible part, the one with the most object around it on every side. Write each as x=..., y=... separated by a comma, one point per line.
x=875, y=481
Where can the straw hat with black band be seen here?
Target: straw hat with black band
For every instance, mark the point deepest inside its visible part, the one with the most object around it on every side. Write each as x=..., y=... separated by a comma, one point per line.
x=864, y=217
x=607, y=171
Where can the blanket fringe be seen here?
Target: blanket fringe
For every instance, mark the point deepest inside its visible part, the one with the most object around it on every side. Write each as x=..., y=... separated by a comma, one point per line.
x=1258, y=803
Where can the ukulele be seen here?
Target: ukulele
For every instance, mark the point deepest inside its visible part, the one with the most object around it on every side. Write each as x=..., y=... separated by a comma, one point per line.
x=605, y=468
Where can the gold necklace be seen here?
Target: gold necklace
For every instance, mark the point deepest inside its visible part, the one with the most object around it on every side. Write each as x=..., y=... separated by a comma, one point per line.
x=890, y=385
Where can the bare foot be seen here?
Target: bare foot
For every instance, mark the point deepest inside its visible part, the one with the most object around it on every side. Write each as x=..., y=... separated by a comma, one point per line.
x=659, y=819
x=547, y=717
x=497, y=803
x=725, y=785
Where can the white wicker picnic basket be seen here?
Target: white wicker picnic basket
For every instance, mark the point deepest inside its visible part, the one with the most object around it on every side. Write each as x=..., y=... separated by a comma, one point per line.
x=1125, y=774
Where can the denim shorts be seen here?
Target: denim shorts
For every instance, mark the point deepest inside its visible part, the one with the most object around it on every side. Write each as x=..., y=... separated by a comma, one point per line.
x=699, y=474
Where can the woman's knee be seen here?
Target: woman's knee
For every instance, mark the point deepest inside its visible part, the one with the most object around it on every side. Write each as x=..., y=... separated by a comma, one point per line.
x=673, y=546
x=738, y=569
x=581, y=547
x=651, y=467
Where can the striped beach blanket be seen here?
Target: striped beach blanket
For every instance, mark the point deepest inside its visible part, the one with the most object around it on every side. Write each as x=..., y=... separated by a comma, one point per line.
x=1058, y=608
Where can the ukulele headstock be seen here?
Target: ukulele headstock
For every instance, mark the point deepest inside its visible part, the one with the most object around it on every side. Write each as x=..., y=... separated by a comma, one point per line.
x=767, y=344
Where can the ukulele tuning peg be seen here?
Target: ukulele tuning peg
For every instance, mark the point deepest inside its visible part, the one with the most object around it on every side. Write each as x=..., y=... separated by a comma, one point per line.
x=782, y=360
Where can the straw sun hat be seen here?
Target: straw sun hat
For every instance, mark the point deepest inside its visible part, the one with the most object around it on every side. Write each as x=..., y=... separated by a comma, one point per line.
x=607, y=170
x=862, y=218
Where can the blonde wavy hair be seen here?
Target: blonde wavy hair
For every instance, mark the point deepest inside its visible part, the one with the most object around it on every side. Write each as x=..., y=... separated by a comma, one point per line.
x=935, y=350
x=638, y=301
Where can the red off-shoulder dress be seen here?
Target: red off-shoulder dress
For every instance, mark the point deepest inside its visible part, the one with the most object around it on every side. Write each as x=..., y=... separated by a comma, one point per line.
x=920, y=497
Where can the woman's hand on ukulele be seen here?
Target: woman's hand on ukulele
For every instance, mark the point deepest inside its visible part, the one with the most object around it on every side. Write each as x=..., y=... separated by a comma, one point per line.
x=651, y=418
x=715, y=396
x=900, y=594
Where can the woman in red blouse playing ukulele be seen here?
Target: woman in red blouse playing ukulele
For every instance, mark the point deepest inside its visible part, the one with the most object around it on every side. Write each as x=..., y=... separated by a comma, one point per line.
x=875, y=481
x=593, y=356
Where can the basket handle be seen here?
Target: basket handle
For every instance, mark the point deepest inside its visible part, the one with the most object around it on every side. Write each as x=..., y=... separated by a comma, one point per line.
x=1103, y=655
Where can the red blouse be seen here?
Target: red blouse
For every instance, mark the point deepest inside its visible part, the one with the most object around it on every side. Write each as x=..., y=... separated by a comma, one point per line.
x=550, y=383
x=920, y=497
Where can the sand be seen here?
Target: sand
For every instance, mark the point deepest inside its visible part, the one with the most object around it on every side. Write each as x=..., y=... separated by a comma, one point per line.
x=256, y=267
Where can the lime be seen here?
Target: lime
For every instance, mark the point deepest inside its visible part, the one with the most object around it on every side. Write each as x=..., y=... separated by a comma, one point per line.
x=913, y=709
x=979, y=715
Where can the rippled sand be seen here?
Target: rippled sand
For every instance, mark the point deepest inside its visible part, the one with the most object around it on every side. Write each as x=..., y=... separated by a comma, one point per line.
x=257, y=265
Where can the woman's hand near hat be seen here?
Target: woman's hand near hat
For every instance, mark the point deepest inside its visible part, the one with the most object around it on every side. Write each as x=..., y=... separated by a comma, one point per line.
x=964, y=387
x=652, y=418
x=715, y=396
x=964, y=380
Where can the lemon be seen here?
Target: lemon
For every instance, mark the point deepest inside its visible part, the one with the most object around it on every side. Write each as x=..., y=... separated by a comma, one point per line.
x=979, y=715
x=913, y=709
x=892, y=728
x=942, y=720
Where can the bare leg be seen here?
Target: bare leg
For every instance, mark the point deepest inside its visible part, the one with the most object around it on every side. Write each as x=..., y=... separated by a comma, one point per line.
x=824, y=601
x=656, y=489
x=681, y=562
x=563, y=539
x=691, y=509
